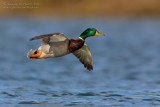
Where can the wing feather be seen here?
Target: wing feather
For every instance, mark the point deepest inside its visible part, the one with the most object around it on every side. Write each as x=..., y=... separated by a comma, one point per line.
x=85, y=57
x=49, y=38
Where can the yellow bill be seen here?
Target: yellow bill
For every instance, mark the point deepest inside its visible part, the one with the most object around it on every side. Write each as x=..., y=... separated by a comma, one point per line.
x=99, y=34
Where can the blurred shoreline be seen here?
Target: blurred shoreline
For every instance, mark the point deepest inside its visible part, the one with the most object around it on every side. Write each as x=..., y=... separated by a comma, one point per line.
x=81, y=8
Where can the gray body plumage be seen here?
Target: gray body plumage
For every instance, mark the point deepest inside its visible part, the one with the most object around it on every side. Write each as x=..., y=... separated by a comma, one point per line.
x=53, y=45
x=59, y=48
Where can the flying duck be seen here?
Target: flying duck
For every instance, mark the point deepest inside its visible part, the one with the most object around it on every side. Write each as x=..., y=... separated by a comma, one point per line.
x=57, y=45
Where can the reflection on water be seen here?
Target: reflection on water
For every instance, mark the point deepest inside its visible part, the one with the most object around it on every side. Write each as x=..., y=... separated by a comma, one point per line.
x=126, y=64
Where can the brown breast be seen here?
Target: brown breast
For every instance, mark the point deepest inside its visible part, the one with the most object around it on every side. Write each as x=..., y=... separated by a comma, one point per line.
x=75, y=44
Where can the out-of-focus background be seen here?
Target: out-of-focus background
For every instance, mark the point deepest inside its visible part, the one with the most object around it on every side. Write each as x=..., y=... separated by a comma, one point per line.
x=83, y=8
x=126, y=60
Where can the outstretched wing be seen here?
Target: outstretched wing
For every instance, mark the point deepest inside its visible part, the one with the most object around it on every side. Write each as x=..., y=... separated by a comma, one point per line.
x=49, y=38
x=85, y=57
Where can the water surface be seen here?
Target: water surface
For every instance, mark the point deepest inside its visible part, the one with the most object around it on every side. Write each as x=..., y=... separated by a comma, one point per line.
x=126, y=64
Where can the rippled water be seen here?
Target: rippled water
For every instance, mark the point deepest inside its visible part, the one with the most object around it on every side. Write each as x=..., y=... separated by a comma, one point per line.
x=126, y=64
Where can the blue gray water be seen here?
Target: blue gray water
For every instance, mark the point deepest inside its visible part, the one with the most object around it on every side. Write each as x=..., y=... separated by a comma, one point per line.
x=126, y=64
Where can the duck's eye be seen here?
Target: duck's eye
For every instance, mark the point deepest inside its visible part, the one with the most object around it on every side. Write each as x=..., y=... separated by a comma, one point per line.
x=35, y=52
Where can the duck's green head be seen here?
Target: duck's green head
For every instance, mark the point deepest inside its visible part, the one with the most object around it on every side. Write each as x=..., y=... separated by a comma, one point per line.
x=90, y=32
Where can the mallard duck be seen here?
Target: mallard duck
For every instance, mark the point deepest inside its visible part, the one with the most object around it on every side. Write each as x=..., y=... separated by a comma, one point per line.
x=57, y=45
